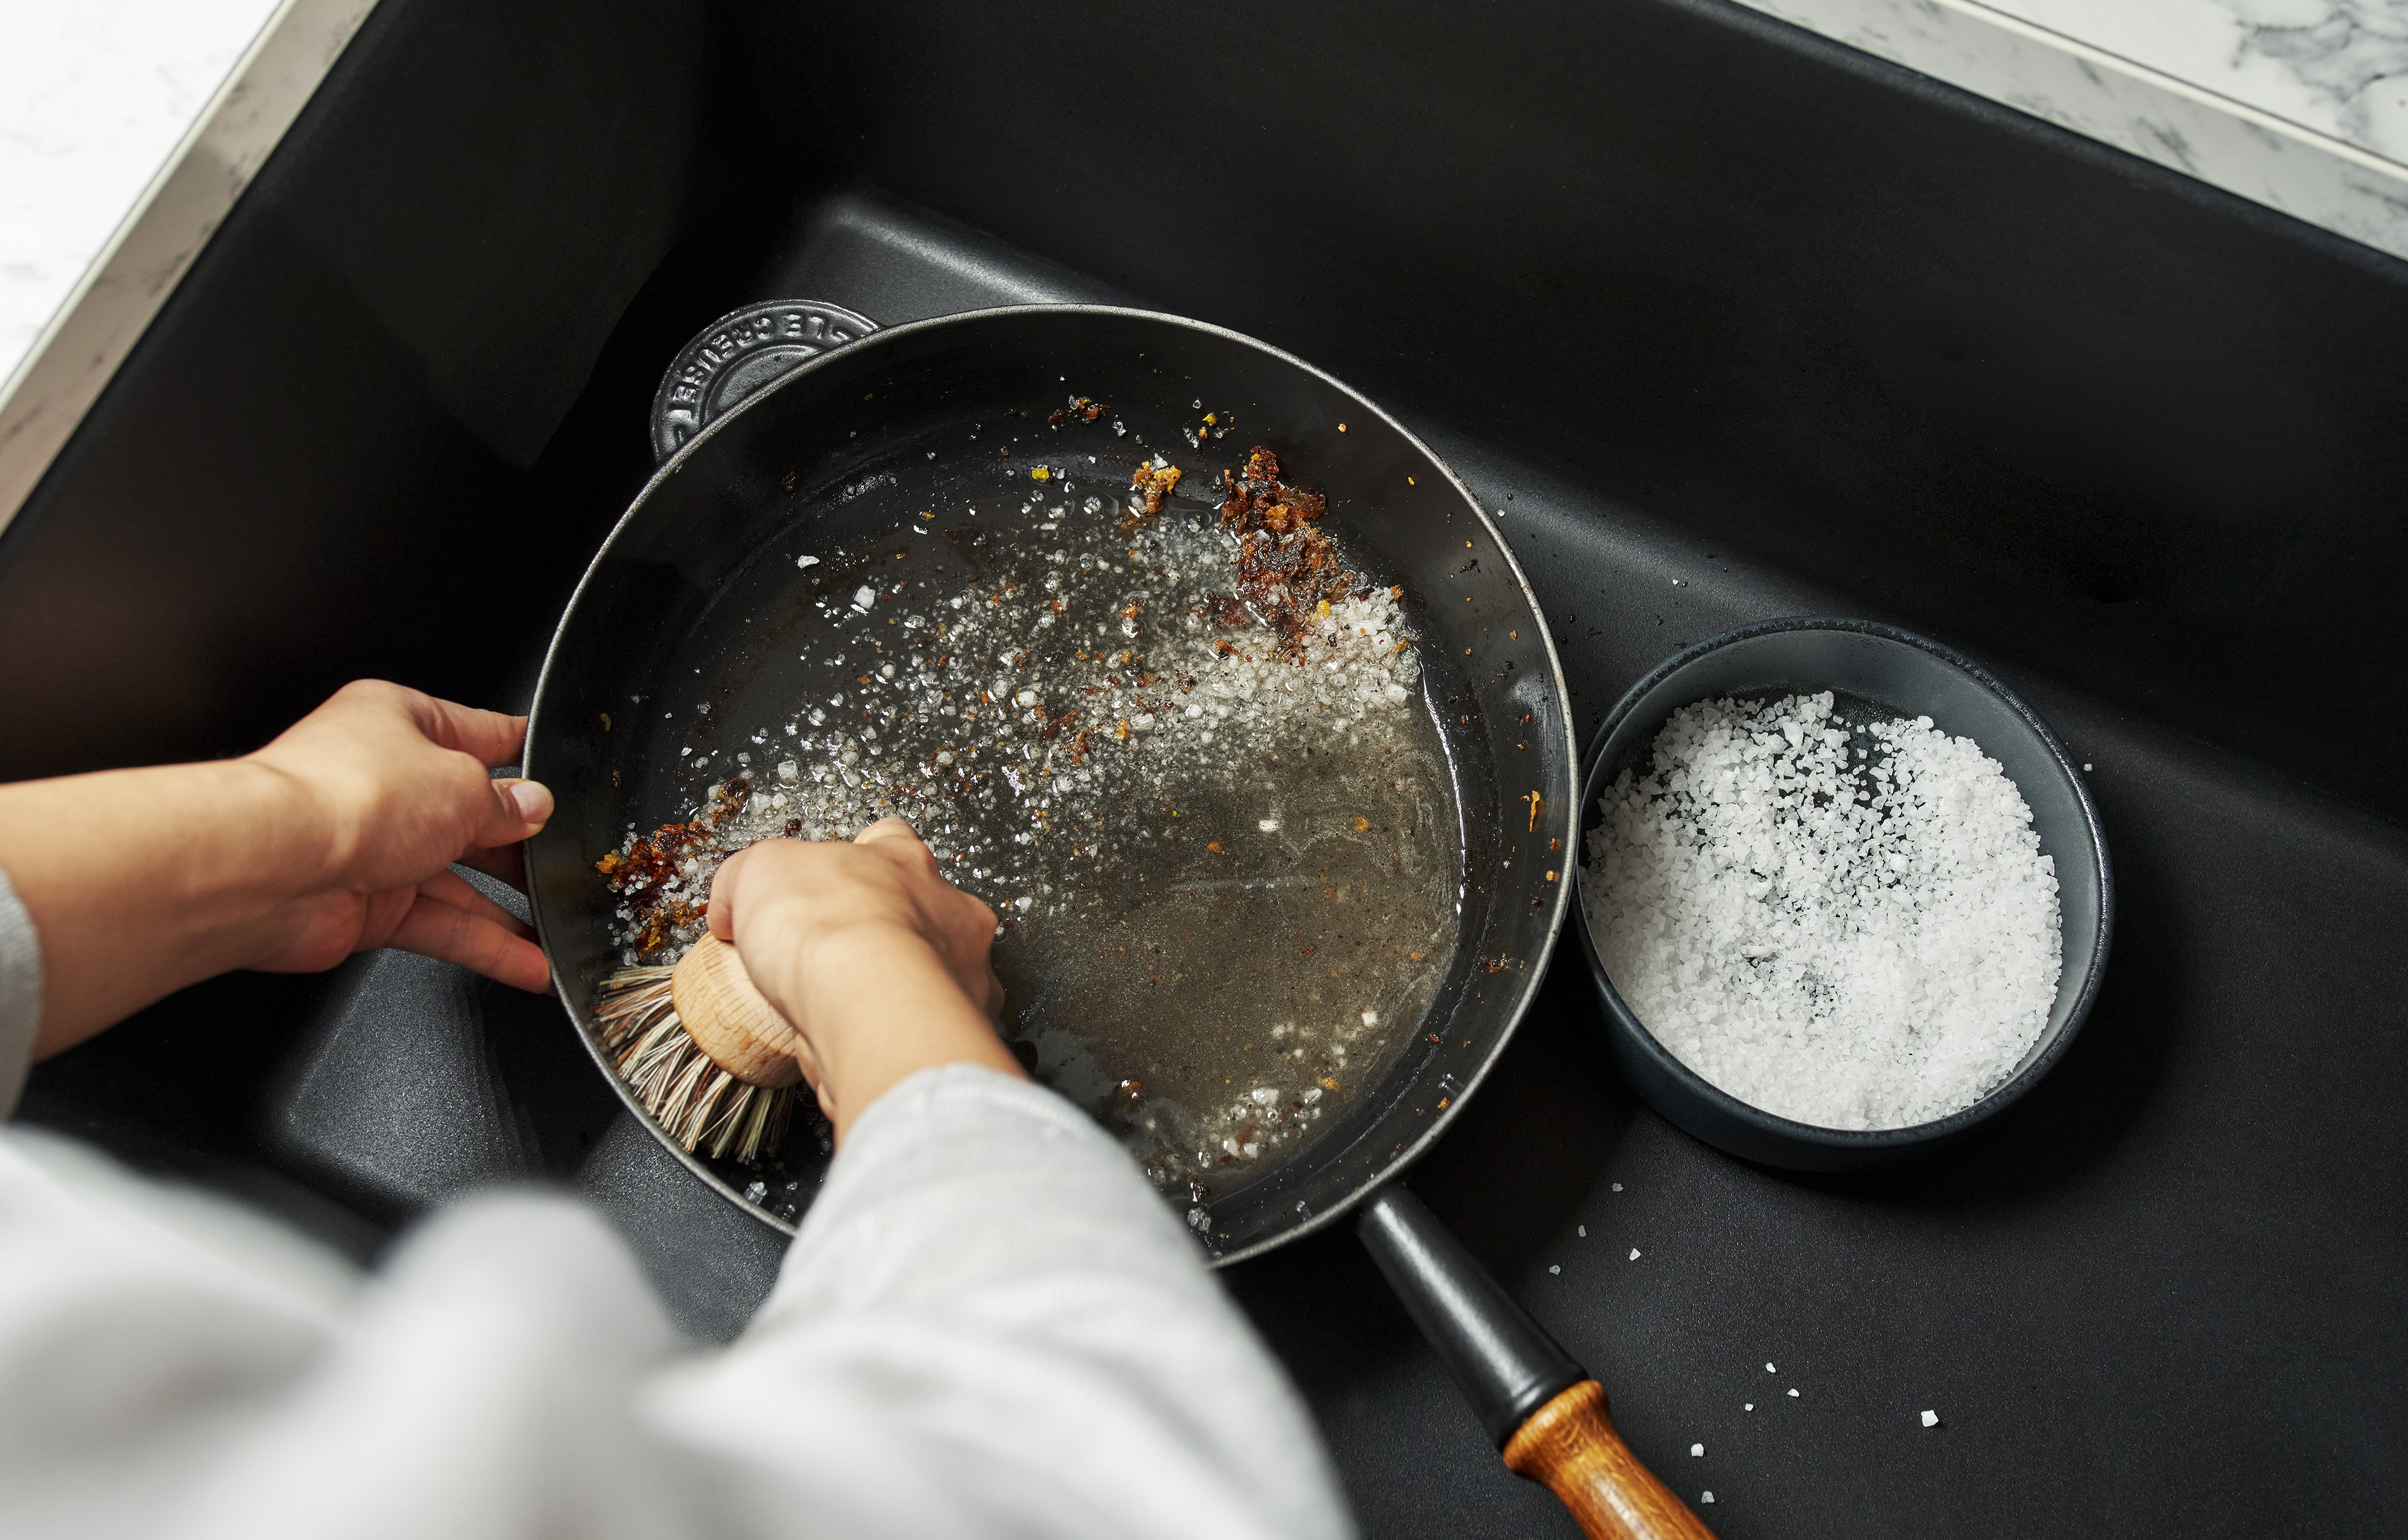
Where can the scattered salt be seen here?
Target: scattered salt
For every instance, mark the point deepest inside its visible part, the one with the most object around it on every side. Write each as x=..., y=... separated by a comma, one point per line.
x=1554, y=1267
x=807, y=560
x=1931, y=1420
x=1793, y=1393
x=1584, y=1229
x=1617, y=1187
x=1697, y=1452
x=1048, y=798
x=1634, y=1254
x=1708, y=1498
x=1770, y=1370
x=1853, y=926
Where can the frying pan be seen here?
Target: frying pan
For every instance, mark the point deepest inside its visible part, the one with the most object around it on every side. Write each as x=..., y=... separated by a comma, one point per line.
x=677, y=638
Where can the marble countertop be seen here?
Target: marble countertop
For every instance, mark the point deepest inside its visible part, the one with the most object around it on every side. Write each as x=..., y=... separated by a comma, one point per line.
x=2300, y=104
x=93, y=100
x=128, y=127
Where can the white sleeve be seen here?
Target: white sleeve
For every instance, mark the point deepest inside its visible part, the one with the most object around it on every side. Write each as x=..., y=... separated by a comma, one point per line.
x=171, y=1365
x=991, y=1326
x=21, y=994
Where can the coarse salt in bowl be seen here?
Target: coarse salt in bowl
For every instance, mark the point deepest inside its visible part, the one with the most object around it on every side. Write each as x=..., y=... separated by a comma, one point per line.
x=1910, y=677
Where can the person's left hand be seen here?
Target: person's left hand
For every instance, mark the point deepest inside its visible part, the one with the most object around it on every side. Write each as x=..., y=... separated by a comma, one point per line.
x=393, y=786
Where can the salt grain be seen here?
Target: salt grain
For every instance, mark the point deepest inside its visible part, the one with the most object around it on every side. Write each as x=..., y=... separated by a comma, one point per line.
x=1931, y=1420
x=1697, y=1452
x=1849, y=925
x=1634, y=1254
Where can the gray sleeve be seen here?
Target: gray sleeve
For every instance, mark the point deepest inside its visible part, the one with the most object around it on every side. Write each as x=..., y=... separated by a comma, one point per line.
x=21, y=994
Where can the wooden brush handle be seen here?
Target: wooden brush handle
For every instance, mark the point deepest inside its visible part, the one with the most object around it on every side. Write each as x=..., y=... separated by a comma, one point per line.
x=730, y=1020
x=1569, y=1447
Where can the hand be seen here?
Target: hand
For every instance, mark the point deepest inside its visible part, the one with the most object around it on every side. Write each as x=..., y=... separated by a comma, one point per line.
x=333, y=838
x=395, y=785
x=880, y=964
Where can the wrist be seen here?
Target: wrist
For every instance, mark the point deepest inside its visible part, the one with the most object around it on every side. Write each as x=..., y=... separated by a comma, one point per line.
x=876, y=1002
x=301, y=840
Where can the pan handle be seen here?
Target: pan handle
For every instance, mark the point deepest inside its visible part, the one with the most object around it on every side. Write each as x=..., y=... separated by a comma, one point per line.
x=1540, y=1406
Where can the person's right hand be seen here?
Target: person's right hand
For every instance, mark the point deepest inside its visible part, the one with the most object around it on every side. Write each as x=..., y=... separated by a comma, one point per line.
x=880, y=964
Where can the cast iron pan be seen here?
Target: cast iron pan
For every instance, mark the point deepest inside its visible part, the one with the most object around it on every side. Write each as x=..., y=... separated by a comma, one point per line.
x=693, y=596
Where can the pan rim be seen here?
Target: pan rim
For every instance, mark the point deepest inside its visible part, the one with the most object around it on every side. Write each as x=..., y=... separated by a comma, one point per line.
x=1567, y=794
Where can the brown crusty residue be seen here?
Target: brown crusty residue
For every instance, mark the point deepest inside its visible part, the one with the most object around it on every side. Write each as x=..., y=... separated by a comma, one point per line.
x=1287, y=568
x=1154, y=482
x=643, y=871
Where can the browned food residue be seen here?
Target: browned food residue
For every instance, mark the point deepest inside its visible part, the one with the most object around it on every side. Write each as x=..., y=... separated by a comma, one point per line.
x=1155, y=483
x=1080, y=410
x=643, y=872
x=1287, y=568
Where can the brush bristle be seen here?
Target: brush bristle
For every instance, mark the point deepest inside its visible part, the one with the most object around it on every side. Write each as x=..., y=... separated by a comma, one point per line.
x=695, y=1100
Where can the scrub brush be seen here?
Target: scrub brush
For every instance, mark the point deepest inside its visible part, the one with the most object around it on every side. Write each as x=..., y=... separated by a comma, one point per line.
x=708, y=1058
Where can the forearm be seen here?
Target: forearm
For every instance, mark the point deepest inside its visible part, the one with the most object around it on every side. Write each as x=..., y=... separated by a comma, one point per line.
x=142, y=881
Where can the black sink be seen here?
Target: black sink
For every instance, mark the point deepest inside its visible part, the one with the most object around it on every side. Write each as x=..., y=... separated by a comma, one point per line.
x=1727, y=322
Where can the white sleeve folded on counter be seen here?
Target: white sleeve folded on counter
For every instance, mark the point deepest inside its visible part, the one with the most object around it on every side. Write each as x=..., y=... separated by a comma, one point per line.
x=990, y=1326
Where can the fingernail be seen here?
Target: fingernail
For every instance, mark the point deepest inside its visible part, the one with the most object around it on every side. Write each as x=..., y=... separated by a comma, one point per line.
x=533, y=799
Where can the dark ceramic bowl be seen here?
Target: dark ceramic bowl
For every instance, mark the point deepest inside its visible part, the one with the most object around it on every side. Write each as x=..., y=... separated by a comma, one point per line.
x=1911, y=677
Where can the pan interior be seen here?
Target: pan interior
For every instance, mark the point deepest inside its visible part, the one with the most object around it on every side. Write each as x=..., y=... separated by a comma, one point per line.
x=701, y=634
x=1227, y=870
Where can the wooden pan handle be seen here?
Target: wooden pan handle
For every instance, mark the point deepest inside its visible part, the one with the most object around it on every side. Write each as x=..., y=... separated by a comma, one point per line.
x=1568, y=1445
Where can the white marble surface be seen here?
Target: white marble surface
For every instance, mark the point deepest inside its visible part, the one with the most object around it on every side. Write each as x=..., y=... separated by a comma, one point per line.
x=2300, y=104
x=128, y=128
x=93, y=97
x=2337, y=67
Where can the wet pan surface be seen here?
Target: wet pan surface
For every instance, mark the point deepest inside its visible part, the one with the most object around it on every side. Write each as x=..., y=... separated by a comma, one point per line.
x=711, y=620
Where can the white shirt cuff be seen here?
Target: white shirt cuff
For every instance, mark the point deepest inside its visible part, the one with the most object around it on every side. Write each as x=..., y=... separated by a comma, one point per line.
x=21, y=994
